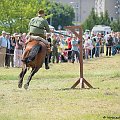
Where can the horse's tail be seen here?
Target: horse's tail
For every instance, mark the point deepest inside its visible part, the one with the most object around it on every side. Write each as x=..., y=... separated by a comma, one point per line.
x=34, y=51
x=31, y=54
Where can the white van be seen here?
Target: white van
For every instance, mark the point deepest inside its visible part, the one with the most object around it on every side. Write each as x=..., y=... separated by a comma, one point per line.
x=101, y=29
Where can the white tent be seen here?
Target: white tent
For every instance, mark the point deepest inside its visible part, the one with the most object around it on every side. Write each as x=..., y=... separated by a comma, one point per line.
x=101, y=29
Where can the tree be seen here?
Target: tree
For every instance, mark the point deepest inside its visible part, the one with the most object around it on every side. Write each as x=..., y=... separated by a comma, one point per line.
x=115, y=25
x=106, y=19
x=91, y=20
x=61, y=15
x=101, y=19
x=16, y=14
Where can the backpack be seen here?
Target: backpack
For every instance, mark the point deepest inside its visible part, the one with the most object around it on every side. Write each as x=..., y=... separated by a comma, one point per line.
x=110, y=41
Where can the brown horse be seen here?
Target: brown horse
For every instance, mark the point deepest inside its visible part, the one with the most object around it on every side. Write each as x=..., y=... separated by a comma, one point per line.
x=35, y=64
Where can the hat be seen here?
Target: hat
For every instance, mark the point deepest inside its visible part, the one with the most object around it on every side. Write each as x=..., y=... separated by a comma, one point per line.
x=41, y=11
x=15, y=34
x=74, y=36
x=3, y=32
x=8, y=33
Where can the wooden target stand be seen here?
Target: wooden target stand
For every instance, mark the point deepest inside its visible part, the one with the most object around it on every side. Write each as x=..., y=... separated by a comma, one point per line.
x=81, y=80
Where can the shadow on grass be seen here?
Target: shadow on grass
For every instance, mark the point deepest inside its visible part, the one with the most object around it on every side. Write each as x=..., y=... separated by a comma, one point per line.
x=63, y=89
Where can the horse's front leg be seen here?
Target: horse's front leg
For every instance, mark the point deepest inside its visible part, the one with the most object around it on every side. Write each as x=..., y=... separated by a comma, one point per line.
x=21, y=76
x=34, y=70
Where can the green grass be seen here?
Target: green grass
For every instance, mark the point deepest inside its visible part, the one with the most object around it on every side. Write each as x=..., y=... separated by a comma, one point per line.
x=49, y=96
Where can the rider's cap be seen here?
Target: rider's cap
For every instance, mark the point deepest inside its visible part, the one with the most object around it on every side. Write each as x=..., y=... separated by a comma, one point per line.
x=41, y=11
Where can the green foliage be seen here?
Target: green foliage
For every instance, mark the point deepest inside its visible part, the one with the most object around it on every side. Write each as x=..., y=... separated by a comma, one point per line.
x=101, y=19
x=115, y=25
x=93, y=19
x=61, y=15
x=16, y=14
x=106, y=18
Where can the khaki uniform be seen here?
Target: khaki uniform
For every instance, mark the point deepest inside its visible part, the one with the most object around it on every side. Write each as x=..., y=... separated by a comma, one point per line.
x=37, y=26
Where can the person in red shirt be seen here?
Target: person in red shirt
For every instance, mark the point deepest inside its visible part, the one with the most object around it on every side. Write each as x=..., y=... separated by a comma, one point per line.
x=69, y=48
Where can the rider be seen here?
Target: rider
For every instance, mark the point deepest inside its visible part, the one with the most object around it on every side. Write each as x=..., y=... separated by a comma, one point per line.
x=37, y=27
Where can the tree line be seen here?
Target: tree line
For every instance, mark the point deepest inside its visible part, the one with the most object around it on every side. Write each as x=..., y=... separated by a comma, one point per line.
x=16, y=14
x=93, y=19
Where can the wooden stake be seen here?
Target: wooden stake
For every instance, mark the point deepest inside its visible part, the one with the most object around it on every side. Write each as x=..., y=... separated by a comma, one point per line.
x=81, y=80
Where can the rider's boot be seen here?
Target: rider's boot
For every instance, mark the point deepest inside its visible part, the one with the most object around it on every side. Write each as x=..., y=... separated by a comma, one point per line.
x=46, y=63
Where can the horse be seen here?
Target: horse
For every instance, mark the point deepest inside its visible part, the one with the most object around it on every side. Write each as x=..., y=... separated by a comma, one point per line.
x=35, y=64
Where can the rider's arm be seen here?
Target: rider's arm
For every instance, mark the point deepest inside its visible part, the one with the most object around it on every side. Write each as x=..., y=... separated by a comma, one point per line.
x=46, y=26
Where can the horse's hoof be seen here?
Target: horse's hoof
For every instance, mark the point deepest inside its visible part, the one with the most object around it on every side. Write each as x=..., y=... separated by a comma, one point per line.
x=26, y=86
x=19, y=85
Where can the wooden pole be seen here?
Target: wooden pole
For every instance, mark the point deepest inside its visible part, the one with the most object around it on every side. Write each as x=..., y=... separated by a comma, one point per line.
x=81, y=80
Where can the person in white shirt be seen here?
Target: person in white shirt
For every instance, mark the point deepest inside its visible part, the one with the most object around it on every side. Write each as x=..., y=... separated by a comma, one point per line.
x=90, y=46
x=86, y=48
x=106, y=37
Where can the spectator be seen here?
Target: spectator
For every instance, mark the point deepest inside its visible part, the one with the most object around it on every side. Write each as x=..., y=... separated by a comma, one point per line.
x=90, y=46
x=75, y=49
x=97, y=48
x=18, y=51
x=12, y=47
x=118, y=45
x=61, y=46
x=62, y=43
x=102, y=42
x=3, y=45
x=86, y=47
x=55, y=49
x=109, y=45
x=69, y=48
x=7, y=57
x=94, y=44
x=115, y=42
x=23, y=37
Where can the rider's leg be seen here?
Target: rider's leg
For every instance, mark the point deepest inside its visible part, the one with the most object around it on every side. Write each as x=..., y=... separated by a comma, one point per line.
x=46, y=62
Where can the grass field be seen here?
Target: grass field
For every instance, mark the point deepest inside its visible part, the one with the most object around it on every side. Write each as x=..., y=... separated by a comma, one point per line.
x=49, y=96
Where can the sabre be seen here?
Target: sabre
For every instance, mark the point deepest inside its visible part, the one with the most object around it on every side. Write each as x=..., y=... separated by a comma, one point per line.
x=62, y=34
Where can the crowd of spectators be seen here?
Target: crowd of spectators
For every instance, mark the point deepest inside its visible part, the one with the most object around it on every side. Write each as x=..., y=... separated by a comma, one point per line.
x=63, y=48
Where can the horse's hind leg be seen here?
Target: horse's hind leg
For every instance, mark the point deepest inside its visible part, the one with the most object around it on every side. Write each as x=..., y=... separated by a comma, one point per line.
x=34, y=70
x=21, y=76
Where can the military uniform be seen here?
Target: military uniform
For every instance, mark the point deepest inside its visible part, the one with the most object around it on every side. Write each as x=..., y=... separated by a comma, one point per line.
x=37, y=26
